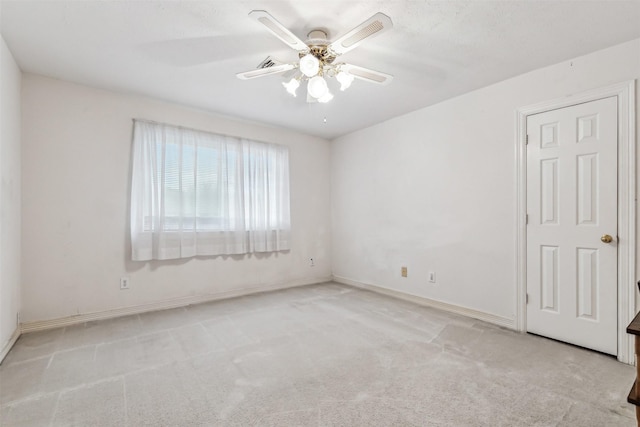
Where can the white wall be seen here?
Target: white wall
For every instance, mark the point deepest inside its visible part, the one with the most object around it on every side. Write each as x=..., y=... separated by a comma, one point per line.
x=9, y=194
x=435, y=189
x=76, y=169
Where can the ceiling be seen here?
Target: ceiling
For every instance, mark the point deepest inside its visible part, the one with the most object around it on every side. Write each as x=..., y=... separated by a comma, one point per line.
x=188, y=52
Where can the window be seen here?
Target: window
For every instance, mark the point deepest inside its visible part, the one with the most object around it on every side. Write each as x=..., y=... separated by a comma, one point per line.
x=198, y=193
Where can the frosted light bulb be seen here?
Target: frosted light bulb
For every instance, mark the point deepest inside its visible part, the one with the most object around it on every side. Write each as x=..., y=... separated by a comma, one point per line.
x=345, y=79
x=317, y=87
x=326, y=98
x=309, y=65
x=291, y=86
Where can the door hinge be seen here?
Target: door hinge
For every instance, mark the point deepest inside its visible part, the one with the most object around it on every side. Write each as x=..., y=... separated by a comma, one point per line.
x=527, y=298
x=527, y=219
x=527, y=140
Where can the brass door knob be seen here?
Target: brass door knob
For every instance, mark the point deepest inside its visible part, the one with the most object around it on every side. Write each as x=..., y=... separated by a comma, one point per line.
x=606, y=238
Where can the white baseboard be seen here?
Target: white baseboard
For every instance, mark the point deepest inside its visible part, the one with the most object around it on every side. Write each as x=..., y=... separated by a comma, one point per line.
x=41, y=325
x=451, y=308
x=7, y=347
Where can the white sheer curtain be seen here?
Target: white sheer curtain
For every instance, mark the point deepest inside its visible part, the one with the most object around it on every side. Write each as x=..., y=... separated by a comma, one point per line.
x=198, y=193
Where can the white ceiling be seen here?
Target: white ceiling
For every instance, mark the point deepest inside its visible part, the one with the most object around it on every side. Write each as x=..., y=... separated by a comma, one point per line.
x=188, y=52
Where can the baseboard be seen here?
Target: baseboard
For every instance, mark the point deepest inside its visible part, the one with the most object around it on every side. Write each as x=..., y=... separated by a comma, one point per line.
x=7, y=347
x=451, y=308
x=41, y=325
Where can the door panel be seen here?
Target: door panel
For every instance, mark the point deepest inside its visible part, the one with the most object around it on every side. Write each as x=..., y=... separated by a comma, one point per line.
x=571, y=204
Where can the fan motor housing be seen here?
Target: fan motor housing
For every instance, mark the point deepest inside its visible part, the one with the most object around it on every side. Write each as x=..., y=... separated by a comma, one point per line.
x=318, y=42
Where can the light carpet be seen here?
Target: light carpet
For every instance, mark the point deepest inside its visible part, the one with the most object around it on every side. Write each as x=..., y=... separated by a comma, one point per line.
x=322, y=355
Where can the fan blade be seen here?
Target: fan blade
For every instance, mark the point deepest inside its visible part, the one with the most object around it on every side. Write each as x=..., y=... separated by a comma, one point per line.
x=367, y=74
x=261, y=72
x=279, y=30
x=377, y=24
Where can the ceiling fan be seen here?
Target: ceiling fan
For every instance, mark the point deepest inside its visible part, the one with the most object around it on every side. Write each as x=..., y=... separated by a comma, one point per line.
x=318, y=57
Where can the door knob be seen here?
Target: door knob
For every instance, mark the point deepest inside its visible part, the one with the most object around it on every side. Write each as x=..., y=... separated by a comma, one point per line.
x=606, y=238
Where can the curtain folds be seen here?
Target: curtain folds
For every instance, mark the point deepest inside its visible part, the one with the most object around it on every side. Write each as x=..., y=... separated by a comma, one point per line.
x=197, y=193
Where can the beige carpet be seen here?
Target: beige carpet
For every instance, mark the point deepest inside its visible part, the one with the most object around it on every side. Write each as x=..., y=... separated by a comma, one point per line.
x=319, y=355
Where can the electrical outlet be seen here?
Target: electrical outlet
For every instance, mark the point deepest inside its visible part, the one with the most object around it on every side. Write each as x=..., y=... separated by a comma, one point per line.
x=403, y=271
x=432, y=277
x=124, y=283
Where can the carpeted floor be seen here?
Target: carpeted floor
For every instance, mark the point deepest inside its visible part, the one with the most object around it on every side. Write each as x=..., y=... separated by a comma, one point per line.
x=318, y=355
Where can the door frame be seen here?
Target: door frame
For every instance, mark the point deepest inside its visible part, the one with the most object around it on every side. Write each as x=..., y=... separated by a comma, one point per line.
x=625, y=93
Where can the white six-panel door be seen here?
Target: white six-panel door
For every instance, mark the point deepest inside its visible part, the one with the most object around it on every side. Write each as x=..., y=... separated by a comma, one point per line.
x=571, y=208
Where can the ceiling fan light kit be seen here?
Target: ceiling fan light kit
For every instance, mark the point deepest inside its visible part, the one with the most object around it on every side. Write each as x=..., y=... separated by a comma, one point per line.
x=291, y=86
x=326, y=98
x=317, y=57
x=345, y=79
x=309, y=65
